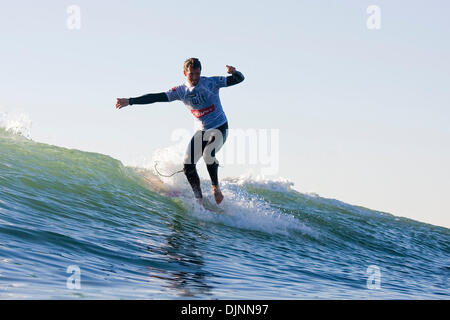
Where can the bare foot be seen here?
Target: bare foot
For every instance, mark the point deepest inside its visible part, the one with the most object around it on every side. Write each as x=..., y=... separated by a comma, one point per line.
x=217, y=194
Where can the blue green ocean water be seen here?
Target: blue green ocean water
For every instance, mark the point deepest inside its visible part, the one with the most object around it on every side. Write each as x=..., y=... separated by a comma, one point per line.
x=63, y=210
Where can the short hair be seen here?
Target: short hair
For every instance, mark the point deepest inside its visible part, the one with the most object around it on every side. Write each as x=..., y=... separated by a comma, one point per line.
x=192, y=63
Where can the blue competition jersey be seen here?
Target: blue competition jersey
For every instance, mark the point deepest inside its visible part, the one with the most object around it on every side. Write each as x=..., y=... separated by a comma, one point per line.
x=202, y=100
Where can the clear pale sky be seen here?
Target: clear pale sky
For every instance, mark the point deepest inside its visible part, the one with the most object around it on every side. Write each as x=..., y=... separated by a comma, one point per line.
x=363, y=115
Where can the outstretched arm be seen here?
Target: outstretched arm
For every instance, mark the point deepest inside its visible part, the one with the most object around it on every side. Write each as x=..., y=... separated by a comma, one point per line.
x=150, y=98
x=145, y=99
x=235, y=78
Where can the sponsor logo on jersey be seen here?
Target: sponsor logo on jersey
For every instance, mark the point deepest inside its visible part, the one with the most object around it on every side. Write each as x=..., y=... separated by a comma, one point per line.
x=204, y=111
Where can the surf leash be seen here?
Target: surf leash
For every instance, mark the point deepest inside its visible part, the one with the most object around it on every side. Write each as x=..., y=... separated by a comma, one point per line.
x=166, y=176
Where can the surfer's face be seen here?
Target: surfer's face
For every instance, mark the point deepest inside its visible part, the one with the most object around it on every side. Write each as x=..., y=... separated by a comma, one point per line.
x=193, y=76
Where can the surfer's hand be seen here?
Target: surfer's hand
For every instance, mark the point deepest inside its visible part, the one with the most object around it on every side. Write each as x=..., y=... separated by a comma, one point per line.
x=122, y=102
x=230, y=69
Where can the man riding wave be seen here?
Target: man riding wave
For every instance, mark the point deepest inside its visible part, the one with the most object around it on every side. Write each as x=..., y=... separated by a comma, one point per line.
x=201, y=97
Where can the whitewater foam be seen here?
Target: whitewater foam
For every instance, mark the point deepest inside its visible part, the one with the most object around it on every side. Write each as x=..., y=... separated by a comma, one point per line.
x=247, y=211
x=16, y=123
x=260, y=181
x=242, y=210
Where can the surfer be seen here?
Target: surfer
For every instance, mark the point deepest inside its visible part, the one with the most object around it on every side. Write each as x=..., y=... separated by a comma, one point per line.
x=201, y=97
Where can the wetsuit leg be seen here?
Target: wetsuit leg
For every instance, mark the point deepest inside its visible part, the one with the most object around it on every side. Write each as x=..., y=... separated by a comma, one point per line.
x=215, y=141
x=212, y=170
x=204, y=143
x=193, y=153
x=194, y=180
